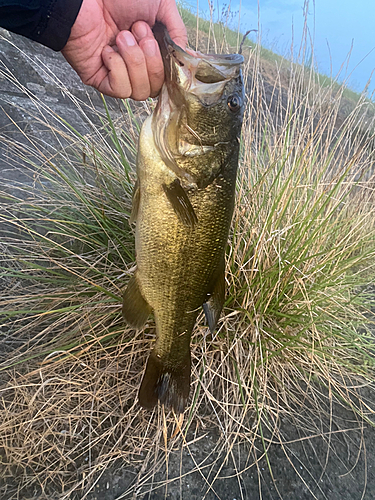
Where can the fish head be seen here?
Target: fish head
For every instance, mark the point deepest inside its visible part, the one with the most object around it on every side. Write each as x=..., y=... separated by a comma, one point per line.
x=201, y=103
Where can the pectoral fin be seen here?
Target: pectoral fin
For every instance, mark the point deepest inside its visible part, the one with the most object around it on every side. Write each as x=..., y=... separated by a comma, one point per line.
x=180, y=203
x=135, y=308
x=135, y=203
x=214, y=305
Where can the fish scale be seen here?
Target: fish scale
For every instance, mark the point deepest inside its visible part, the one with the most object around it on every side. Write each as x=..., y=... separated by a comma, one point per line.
x=183, y=204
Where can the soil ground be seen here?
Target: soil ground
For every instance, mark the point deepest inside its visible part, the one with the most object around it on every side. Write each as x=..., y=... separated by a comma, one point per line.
x=337, y=468
x=342, y=469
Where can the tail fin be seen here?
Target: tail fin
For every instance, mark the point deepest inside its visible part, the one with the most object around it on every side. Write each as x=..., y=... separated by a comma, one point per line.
x=165, y=383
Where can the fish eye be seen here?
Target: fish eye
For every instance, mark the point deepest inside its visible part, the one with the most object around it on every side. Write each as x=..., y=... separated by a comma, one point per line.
x=234, y=103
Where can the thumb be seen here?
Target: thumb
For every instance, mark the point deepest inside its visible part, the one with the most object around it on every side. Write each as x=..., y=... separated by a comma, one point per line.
x=168, y=15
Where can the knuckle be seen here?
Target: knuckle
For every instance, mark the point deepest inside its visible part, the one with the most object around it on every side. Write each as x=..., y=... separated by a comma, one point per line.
x=123, y=90
x=123, y=93
x=120, y=86
x=156, y=72
x=138, y=95
x=135, y=58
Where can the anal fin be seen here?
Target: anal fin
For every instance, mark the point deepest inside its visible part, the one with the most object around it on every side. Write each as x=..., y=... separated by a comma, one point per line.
x=214, y=305
x=180, y=203
x=135, y=308
x=170, y=385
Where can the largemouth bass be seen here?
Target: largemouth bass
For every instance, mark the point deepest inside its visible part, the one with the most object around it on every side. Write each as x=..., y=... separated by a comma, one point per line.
x=183, y=204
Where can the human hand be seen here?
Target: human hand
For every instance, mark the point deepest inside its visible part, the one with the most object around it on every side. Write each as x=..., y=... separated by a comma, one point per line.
x=112, y=48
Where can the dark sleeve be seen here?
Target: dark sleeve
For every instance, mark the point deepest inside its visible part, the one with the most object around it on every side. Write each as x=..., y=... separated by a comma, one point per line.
x=46, y=21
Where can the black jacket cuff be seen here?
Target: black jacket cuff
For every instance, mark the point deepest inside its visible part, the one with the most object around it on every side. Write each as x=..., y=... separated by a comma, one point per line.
x=54, y=30
x=48, y=22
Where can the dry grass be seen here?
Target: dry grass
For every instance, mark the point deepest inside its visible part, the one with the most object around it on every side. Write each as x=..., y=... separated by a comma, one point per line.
x=294, y=341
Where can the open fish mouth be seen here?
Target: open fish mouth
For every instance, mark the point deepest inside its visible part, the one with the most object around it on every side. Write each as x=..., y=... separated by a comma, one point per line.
x=203, y=75
x=188, y=76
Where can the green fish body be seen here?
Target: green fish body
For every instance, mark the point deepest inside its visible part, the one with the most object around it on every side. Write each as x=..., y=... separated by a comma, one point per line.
x=183, y=204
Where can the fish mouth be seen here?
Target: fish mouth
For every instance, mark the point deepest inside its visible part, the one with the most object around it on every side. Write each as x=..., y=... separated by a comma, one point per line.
x=203, y=75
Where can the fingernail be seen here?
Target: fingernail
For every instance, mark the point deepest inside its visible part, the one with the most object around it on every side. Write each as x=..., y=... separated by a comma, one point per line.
x=149, y=48
x=128, y=38
x=140, y=30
